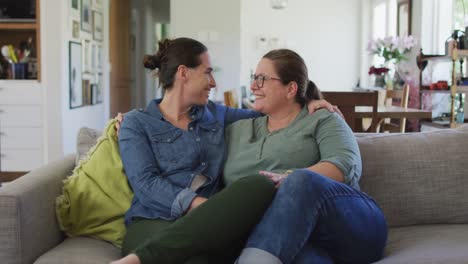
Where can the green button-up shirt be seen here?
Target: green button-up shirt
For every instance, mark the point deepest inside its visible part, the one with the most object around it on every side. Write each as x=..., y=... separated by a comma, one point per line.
x=309, y=139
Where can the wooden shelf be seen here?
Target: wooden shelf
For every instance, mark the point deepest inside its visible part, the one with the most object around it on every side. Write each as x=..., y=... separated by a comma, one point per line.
x=435, y=57
x=16, y=31
x=463, y=53
x=460, y=89
x=17, y=26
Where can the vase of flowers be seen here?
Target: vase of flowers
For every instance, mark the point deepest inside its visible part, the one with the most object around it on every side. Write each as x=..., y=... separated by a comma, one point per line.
x=390, y=51
x=379, y=73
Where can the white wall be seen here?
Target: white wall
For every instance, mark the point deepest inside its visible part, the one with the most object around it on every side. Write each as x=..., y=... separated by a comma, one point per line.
x=216, y=23
x=51, y=72
x=327, y=34
x=61, y=123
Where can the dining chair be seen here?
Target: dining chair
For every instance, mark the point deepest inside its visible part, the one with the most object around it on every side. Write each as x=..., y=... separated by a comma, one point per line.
x=229, y=99
x=399, y=125
x=347, y=103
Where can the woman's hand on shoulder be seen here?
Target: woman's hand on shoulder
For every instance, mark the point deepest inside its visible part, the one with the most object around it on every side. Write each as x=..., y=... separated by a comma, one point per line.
x=315, y=105
x=119, y=118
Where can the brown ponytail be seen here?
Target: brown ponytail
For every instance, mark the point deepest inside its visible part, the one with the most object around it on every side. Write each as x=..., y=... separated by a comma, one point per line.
x=312, y=92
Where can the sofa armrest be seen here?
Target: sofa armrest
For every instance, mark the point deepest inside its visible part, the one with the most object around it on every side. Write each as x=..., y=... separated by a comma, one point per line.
x=28, y=225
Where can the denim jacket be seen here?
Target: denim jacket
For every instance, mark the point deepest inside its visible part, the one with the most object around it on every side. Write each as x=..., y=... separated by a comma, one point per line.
x=161, y=160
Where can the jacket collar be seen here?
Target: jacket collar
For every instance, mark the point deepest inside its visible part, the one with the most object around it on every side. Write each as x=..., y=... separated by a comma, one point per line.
x=198, y=113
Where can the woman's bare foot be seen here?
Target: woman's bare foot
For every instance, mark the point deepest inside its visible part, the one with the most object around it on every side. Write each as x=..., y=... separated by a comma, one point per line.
x=129, y=259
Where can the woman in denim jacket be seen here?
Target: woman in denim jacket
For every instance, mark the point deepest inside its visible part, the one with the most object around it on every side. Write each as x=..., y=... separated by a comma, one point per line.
x=173, y=154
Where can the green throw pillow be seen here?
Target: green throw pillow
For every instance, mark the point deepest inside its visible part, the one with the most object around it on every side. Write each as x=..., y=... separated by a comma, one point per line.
x=97, y=195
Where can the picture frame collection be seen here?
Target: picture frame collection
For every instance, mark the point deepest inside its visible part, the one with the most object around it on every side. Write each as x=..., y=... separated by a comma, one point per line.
x=86, y=53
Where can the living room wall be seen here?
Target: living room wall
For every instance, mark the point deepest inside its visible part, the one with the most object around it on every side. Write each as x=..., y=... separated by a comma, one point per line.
x=61, y=122
x=216, y=23
x=327, y=34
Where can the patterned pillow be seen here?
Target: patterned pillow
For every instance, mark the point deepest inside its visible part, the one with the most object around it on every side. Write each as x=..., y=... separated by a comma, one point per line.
x=97, y=195
x=87, y=138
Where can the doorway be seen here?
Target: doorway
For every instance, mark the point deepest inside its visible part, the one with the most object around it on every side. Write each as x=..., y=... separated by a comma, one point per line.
x=136, y=26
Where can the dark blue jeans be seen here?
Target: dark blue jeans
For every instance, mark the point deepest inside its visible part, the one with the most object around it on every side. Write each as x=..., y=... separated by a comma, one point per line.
x=314, y=219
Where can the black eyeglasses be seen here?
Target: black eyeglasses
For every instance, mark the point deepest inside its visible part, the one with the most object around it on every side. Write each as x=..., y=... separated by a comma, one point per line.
x=260, y=79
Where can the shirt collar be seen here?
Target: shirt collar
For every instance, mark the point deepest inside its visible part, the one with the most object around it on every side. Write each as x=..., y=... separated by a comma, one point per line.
x=196, y=113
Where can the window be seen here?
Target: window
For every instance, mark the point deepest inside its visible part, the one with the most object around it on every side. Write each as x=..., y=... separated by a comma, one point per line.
x=460, y=20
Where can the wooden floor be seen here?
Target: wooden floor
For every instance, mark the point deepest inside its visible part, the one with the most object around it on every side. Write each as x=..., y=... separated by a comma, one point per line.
x=11, y=176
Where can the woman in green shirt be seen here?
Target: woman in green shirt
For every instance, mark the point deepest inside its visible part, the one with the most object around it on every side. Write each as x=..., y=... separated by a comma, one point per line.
x=318, y=214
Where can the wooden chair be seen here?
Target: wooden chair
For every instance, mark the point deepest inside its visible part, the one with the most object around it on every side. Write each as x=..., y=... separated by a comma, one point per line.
x=347, y=103
x=229, y=99
x=386, y=124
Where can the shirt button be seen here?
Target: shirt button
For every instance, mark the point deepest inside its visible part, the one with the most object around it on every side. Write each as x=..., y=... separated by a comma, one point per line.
x=198, y=139
x=191, y=128
x=169, y=140
x=203, y=163
x=193, y=116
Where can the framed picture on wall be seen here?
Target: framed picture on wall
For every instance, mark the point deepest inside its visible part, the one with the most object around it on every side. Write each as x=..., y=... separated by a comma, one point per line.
x=97, y=26
x=99, y=59
x=86, y=23
x=404, y=18
x=93, y=57
x=94, y=90
x=75, y=87
x=97, y=5
x=86, y=92
x=87, y=56
x=74, y=9
x=75, y=29
x=99, y=88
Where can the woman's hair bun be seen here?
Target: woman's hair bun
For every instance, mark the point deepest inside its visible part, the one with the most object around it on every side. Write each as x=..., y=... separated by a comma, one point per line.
x=151, y=62
x=154, y=61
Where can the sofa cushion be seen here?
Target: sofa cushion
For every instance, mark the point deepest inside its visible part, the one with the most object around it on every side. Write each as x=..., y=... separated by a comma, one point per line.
x=417, y=178
x=437, y=244
x=80, y=250
x=97, y=195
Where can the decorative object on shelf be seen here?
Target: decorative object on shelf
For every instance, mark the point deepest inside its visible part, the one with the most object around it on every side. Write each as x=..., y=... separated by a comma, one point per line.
x=99, y=86
x=392, y=50
x=87, y=93
x=76, y=99
x=456, y=39
x=94, y=90
x=18, y=59
x=379, y=75
x=439, y=85
x=279, y=4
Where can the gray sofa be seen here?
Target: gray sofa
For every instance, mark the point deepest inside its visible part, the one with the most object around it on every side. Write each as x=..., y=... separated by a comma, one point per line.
x=419, y=180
